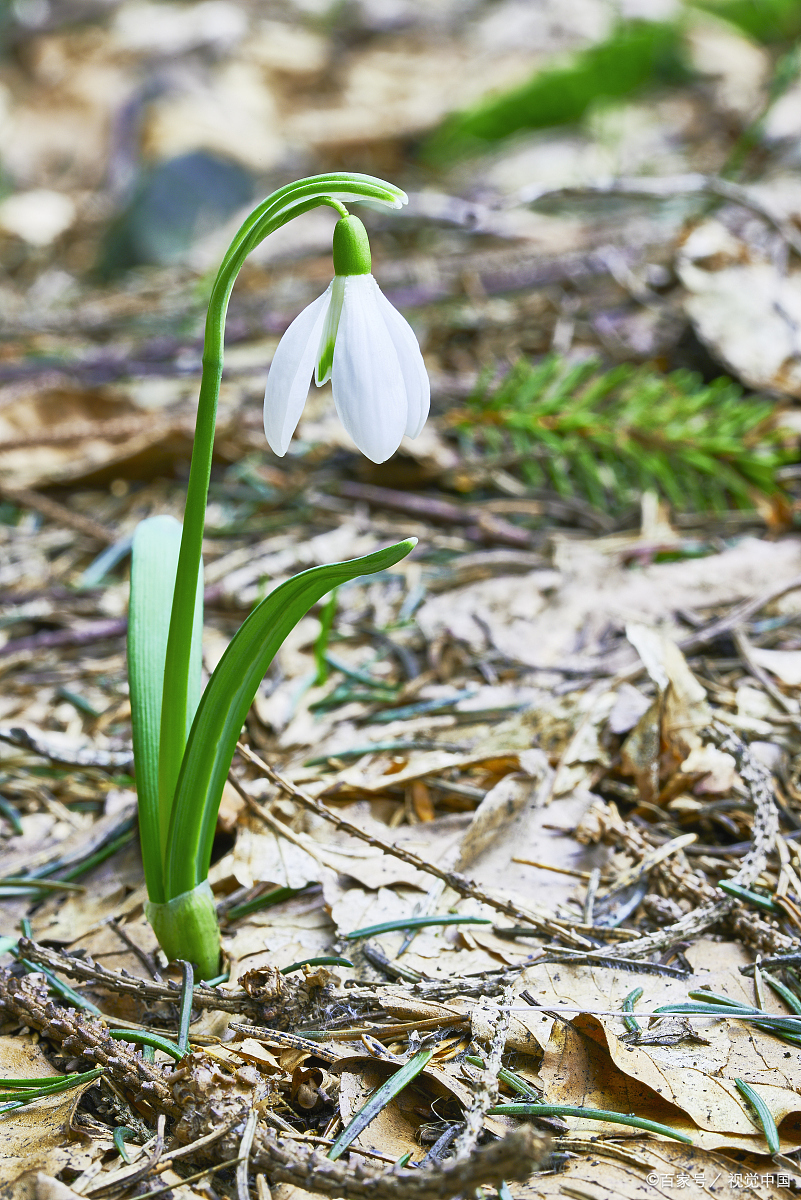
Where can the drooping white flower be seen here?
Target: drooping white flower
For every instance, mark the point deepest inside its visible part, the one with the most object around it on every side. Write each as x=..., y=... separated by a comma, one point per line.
x=352, y=335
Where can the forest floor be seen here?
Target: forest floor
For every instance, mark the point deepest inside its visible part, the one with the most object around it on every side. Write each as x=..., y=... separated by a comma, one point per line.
x=562, y=723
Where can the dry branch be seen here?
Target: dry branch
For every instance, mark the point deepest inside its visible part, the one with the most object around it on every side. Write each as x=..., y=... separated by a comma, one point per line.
x=201, y=1109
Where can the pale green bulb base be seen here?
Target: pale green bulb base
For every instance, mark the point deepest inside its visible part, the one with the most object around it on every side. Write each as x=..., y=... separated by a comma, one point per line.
x=187, y=928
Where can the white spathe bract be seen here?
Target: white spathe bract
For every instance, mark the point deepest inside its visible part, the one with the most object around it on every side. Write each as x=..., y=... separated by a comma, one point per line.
x=353, y=335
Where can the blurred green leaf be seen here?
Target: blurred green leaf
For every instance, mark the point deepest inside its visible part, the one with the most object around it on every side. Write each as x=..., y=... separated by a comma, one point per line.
x=764, y=20
x=639, y=53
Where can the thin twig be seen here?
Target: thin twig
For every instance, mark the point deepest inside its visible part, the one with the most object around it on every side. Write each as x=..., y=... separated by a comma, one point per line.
x=26, y=498
x=745, y=650
x=458, y=883
x=130, y=985
x=245, y=1146
x=758, y=782
x=168, y=1187
x=94, y=631
x=147, y=960
x=666, y=188
x=485, y=1091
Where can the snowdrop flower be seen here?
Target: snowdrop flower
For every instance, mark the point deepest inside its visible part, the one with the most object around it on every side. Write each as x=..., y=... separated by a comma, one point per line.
x=353, y=336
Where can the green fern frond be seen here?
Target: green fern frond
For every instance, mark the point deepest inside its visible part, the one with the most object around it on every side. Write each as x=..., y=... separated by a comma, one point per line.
x=608, y=435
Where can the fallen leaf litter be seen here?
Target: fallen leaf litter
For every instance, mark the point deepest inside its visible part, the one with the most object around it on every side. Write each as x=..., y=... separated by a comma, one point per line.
x=540, y=721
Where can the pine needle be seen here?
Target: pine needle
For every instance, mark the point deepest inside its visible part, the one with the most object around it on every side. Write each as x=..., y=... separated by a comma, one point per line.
x=609, y=435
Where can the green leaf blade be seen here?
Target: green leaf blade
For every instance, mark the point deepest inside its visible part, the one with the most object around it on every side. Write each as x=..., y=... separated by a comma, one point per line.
x=154, y=561
x=225, y=704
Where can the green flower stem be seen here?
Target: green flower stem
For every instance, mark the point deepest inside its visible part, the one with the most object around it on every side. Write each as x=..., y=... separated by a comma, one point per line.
x=275, y=211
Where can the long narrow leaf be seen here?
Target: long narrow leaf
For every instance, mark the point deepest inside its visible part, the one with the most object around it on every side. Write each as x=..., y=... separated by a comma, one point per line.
x=224, y=707
x=154, y=560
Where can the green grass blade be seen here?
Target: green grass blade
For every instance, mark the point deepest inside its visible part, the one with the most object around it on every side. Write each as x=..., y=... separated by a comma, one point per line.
x=323, y=960
x=631, y=1023
x=789, y=998
x=17, y=1097
x=225, y=704
x=120, y=1134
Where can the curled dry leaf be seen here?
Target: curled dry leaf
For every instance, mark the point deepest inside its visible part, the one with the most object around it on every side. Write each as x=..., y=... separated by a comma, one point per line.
x=494, y=816
x=745, y=307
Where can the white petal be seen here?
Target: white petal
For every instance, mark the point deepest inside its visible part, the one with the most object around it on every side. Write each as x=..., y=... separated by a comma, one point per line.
x=367, y=382
x=415, y=376
x=290, y=374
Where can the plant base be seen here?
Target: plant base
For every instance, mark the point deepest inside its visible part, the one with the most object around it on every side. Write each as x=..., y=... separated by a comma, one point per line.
x=187, y=928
